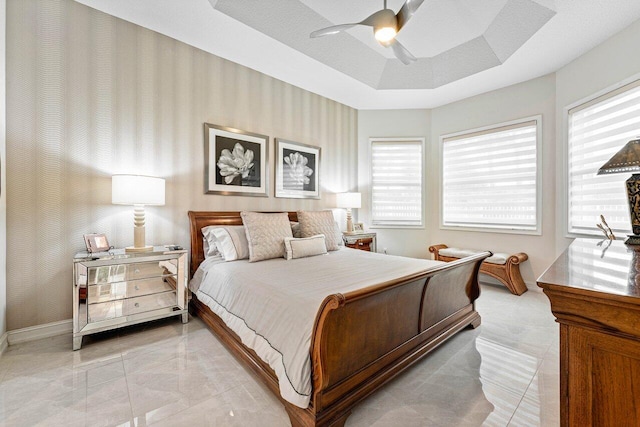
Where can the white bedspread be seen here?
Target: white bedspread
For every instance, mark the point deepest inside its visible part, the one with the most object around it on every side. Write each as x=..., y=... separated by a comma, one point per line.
x=272, y=304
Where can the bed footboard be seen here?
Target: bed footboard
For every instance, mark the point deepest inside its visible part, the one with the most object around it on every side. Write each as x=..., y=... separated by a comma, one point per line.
x=364, y=338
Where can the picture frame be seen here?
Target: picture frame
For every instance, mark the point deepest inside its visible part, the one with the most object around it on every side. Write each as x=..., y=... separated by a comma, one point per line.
x=236, y=162
x=358, y=227
x=96, y=242
x=297, y=170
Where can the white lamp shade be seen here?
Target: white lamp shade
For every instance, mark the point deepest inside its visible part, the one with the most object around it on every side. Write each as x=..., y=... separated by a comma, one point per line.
x=137, y=190
x=349, y=200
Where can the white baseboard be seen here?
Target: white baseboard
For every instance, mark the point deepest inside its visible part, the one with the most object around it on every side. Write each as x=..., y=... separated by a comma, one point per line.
x=40, y=331
x=4, y=342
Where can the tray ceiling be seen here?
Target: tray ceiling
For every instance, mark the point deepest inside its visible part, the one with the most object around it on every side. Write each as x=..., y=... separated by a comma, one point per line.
x=465, y=47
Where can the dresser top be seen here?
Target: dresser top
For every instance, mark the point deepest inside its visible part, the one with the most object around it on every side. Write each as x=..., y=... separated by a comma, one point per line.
x=593, y=266
x=121, y=254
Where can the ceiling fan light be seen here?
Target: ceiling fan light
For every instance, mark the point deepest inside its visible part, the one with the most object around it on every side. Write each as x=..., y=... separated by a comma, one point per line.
x=385, y=34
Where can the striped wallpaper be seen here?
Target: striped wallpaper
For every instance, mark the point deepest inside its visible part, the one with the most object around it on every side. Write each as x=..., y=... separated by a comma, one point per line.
x=89, y=96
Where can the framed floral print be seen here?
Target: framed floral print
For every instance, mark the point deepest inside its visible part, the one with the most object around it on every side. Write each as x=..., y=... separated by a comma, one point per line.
x=297, y=170
x=236, y=162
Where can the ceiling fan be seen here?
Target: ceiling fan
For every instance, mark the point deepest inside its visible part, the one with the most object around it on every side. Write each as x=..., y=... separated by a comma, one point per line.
x=386, y=25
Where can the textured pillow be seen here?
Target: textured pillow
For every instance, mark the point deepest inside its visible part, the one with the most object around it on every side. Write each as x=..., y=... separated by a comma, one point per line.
x=265, y=233
x=320, y=222
x=231, y=241
x=304, y=247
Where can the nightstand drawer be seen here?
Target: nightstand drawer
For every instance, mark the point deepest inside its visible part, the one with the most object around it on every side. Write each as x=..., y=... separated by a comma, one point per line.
x=123, y=272
x=120, y=290
x=127, y=307
x=362, y=244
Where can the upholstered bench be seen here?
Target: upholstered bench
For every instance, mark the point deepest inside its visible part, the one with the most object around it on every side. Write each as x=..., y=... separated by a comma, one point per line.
x=503, y=267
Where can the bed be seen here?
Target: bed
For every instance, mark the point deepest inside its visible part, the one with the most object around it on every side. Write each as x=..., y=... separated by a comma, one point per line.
x=362, y=338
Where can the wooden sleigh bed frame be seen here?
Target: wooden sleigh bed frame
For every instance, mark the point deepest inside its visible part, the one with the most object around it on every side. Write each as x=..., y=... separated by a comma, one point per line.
x=361, y=339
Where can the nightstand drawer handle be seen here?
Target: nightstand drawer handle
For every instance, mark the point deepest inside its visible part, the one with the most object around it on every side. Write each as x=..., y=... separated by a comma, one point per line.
x=137, y=304
x=137, y=270
x=136, y=287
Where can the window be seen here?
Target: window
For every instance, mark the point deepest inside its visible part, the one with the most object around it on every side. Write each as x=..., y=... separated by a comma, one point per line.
x=396, y=182
x=490, y=178
x=597, y=130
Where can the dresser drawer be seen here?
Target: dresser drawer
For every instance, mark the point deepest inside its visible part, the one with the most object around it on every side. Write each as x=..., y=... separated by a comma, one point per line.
x=133, y=288
x=123, y=272
x=127, y=307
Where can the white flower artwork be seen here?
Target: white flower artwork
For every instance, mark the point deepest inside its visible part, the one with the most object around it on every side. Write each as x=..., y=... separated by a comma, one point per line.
x=297, y=170
x=235, y=163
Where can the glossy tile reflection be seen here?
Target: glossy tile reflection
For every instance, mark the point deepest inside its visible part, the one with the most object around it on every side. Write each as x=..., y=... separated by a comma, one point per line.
x=168, y=374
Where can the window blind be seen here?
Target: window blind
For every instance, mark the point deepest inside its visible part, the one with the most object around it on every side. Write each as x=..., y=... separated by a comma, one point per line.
x=489, y=178
x=597, y=130
x=396, y=183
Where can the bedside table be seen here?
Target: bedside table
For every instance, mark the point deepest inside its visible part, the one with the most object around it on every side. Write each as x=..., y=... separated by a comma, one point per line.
x=363, y=241
x=116, y=289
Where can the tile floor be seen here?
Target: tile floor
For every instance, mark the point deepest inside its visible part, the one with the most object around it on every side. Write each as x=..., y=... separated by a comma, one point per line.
x=504, y=373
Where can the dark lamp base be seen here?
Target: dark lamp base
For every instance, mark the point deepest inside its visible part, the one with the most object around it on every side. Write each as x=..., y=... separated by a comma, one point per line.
x=632, y=239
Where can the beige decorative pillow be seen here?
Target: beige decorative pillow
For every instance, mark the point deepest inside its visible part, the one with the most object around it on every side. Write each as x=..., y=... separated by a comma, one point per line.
x=265, y=233
x=304, y=247
x=320, y=222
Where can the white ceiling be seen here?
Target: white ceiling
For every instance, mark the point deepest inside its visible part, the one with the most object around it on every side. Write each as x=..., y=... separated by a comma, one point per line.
x=437, y=27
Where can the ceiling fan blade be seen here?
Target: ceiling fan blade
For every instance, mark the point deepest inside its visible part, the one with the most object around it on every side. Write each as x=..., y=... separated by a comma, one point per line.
x=335, y=29
x=406, y=11
x=402, y=53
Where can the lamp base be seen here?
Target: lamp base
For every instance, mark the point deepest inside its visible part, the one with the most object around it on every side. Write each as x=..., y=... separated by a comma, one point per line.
x=134, y=249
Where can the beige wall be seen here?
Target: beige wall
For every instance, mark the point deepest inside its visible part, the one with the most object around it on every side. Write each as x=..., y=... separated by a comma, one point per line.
x=515, y=102
x=391, y=124
x=603, y=68
x=90, y=95
x=3, y=176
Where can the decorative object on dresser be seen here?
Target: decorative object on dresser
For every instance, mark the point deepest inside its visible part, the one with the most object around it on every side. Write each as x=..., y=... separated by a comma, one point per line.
x=96, y=242
x=360, y=339
x=236, y=162
x=120, y=289
x=628, y=160
x=137, y=190
x=362, y=241
x=595, y=297
x=349, y=201
x=500, y=266
x=358, y=227
x=297, y=170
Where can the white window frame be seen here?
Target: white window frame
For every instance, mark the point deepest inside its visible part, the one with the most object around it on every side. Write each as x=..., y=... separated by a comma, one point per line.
x=421, y=140
x=496, y=127
x=564, y=190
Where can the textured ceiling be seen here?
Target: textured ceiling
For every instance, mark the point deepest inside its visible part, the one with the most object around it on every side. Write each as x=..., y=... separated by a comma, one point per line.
x=452, y=39
x=443, y=32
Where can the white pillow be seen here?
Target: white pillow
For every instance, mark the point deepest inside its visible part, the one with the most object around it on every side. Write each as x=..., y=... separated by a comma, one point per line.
x=313, y=223
x=230, y=241
x=304, y=247
x=266, y=233
x=209, y=243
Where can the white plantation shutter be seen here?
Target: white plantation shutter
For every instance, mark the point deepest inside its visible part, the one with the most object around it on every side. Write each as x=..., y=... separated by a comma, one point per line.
x=396, y=182
x=489, y=178
x=597, y=130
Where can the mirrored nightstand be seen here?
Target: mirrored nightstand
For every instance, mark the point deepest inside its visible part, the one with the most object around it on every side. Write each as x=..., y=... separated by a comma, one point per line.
x=364, y=241
x=116, y=289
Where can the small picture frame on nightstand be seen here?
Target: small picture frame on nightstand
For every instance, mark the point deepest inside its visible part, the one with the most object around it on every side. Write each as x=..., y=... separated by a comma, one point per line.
x=96, y=243
x=358, y=227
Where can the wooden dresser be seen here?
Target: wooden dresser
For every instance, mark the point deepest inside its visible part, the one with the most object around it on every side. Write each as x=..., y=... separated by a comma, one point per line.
x=595, y=296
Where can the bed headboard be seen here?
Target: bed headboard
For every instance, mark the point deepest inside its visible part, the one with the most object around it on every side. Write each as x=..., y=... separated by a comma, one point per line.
x=198, y=220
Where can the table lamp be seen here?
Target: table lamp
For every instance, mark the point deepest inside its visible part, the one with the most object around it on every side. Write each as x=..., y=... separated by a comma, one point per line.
x=628, y=160
x=349, y=201
x=137, y=190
